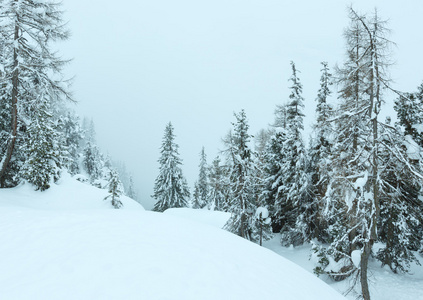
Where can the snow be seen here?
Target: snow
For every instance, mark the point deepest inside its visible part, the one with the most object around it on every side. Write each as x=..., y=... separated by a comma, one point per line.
x=68, y=194
x=413, y=150
x=66, y=243
x=384, y=284
x=214, y=218
x=361, y=181
x=356, y=258
x=263, y=211
x=418, y=127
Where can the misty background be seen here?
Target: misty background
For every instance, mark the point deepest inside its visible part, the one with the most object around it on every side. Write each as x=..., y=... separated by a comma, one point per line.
x=140, y=64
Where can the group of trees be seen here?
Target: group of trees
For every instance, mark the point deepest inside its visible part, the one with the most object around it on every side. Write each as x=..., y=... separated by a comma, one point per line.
x=358, y=182
x=231, y=186
x=39, y=136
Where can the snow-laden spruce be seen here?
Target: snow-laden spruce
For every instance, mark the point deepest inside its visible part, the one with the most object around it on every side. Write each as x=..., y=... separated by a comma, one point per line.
x=170, y=187
x=201, y=187
x=219, y=194
x=287, y=180
x=242, y=176
x=115, y=189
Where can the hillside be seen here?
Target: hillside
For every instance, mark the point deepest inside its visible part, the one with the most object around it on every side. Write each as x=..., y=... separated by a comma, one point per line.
x=67, y=243
x=384, y=284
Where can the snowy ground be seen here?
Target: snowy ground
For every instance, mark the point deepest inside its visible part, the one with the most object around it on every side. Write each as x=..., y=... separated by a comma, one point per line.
x=385, y=285
x=214, y=218
x=67, y=243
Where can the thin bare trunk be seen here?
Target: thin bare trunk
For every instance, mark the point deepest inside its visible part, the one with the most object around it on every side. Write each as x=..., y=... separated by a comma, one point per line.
x=363, y=271
x=14, y=112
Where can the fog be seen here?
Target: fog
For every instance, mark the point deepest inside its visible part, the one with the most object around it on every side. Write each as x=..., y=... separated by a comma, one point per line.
x=140, y=64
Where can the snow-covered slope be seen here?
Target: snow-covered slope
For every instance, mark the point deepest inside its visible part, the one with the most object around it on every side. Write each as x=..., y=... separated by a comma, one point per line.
x=384, y=284
x=68, y=193
x=214, y=218
x=54, y=252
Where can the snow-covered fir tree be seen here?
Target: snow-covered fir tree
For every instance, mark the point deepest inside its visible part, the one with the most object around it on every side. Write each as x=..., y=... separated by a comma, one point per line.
x=92, y=161
x=131, y=189
x=261, y=220
x=88, y=128
x=73, y=135
x=401, y=219
x=274, y=158
x=170, y=188
x=409, y=108
x=115, y=189
x=240, y=166
x=320, y=151
x=124, y=175
x=31, y=71
x=196, y=197
x=292, y=202
x=44, y=150
x=218, y=187
x=261, y=141
x=203, y=185
x=322, y=138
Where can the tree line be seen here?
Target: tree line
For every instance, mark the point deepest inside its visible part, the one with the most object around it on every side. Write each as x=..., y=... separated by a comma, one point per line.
x=357, y=182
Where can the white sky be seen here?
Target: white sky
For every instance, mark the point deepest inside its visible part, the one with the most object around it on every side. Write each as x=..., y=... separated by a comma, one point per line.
x=140, y=64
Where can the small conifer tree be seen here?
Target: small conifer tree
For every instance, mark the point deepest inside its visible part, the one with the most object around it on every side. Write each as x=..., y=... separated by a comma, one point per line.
x=203, y=185
x=115, y=189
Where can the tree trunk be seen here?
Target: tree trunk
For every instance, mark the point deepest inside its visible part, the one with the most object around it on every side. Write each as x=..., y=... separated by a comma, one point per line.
x=261, y=230
x=14, y=112
x=363, y=270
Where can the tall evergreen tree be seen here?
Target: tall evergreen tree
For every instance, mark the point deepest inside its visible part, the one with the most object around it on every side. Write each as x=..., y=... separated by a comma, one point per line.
x=320, y=150
x=28, y=28
x=274, y=158
x=242, y=205
x=170, y=188
x=218, y=187
x=73, y=135
x=203, y=185
x=262, y=221
x=292, y=207
x=261, y=139
x=196, y=197
x=274, y=180
x=131, y=190
x=89, y=131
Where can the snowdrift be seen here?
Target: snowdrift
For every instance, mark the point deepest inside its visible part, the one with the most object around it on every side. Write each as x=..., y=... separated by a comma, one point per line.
x=74, y=251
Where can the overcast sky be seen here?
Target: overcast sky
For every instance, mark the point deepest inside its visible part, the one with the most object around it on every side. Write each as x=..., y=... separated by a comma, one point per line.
x=140, y=64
